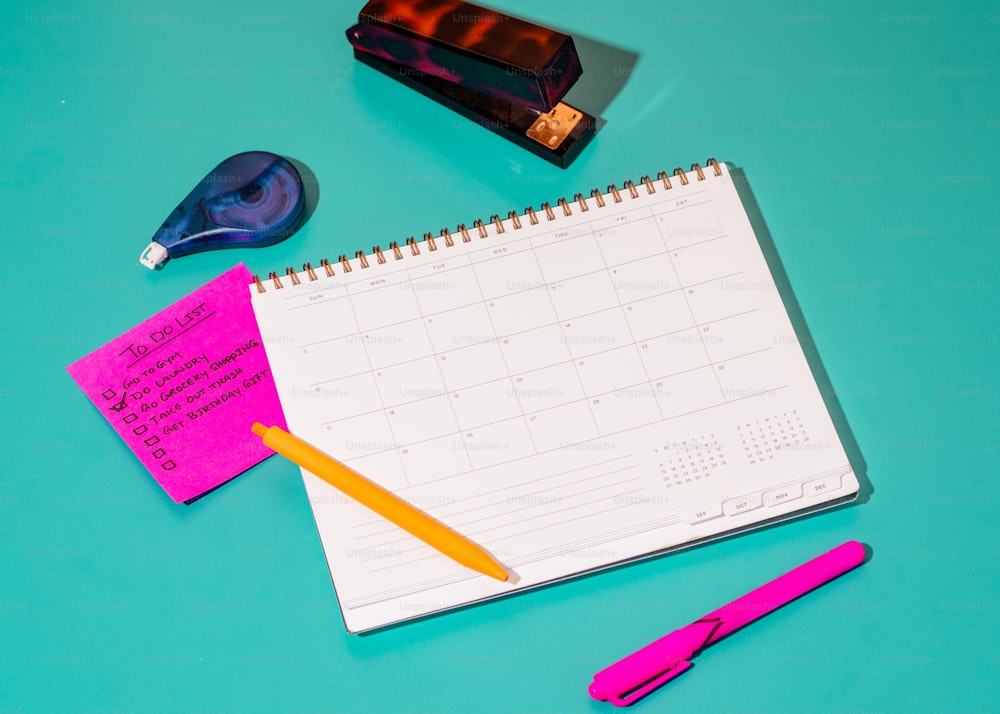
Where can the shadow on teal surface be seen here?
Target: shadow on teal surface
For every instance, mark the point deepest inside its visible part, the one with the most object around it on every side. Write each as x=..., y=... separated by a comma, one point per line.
x=806, y=341
x=310, y=187
x=606, y=71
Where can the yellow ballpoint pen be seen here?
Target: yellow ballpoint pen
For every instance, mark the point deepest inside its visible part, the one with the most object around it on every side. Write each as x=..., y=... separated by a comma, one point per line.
x=391, y=507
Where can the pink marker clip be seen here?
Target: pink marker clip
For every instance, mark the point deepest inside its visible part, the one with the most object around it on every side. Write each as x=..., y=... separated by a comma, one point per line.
x=629, y=680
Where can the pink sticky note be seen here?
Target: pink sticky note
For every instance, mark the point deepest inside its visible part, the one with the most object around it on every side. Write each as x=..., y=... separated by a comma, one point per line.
x=184, y=387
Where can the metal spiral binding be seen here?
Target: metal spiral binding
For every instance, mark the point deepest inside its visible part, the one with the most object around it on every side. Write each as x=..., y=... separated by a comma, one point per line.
x=514, y=217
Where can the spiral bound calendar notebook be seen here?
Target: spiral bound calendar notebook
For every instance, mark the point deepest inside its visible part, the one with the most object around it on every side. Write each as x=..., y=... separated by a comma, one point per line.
x=571, y=387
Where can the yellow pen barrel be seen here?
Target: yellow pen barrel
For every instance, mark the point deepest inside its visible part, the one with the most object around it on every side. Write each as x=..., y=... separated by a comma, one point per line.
x=384, y=503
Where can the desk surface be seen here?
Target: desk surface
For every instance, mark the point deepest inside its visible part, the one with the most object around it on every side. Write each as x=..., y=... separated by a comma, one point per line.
x=869, y=137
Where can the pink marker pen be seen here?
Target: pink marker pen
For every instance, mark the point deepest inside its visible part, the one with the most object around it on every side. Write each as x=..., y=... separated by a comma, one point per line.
x=632, y=678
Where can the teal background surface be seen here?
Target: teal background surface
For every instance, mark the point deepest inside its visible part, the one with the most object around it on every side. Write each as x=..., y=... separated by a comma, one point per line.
x=870, y=136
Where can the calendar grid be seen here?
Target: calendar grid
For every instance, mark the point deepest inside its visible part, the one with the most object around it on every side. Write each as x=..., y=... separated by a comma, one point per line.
x=699, y=410
x=600, y=394
x=440, y=371
x=402, y=269
x=509, y=377
x=684, y=292
x=521, y=332
x=357, y=323
x=621, y=306
x=648, y=379
x=474, y=251
x=563, y=336
x=568, y=395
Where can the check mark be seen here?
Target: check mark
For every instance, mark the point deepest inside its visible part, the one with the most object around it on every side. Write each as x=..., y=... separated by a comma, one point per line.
x=119, y=406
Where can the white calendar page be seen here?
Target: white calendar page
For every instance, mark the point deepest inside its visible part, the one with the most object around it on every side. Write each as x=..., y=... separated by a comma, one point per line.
x=568, y=394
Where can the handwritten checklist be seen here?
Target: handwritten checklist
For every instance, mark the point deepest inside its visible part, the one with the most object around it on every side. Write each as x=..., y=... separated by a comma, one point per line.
x=183, y=388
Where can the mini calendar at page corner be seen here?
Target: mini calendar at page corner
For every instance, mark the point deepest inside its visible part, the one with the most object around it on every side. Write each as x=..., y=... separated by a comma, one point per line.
x=571, y=387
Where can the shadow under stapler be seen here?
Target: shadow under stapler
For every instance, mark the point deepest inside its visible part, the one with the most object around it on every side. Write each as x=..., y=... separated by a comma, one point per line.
x=606, y=70
x=784, y=287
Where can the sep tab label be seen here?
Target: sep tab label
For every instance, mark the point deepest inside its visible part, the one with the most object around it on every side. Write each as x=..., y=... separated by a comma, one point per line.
x=704, y=511
x=184, y=387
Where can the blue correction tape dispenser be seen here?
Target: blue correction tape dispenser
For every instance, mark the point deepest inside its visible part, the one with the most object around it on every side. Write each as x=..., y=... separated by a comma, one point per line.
x=250, y=200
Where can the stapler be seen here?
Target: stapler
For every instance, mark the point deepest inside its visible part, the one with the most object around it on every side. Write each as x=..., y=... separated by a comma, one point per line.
x=506, y=74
